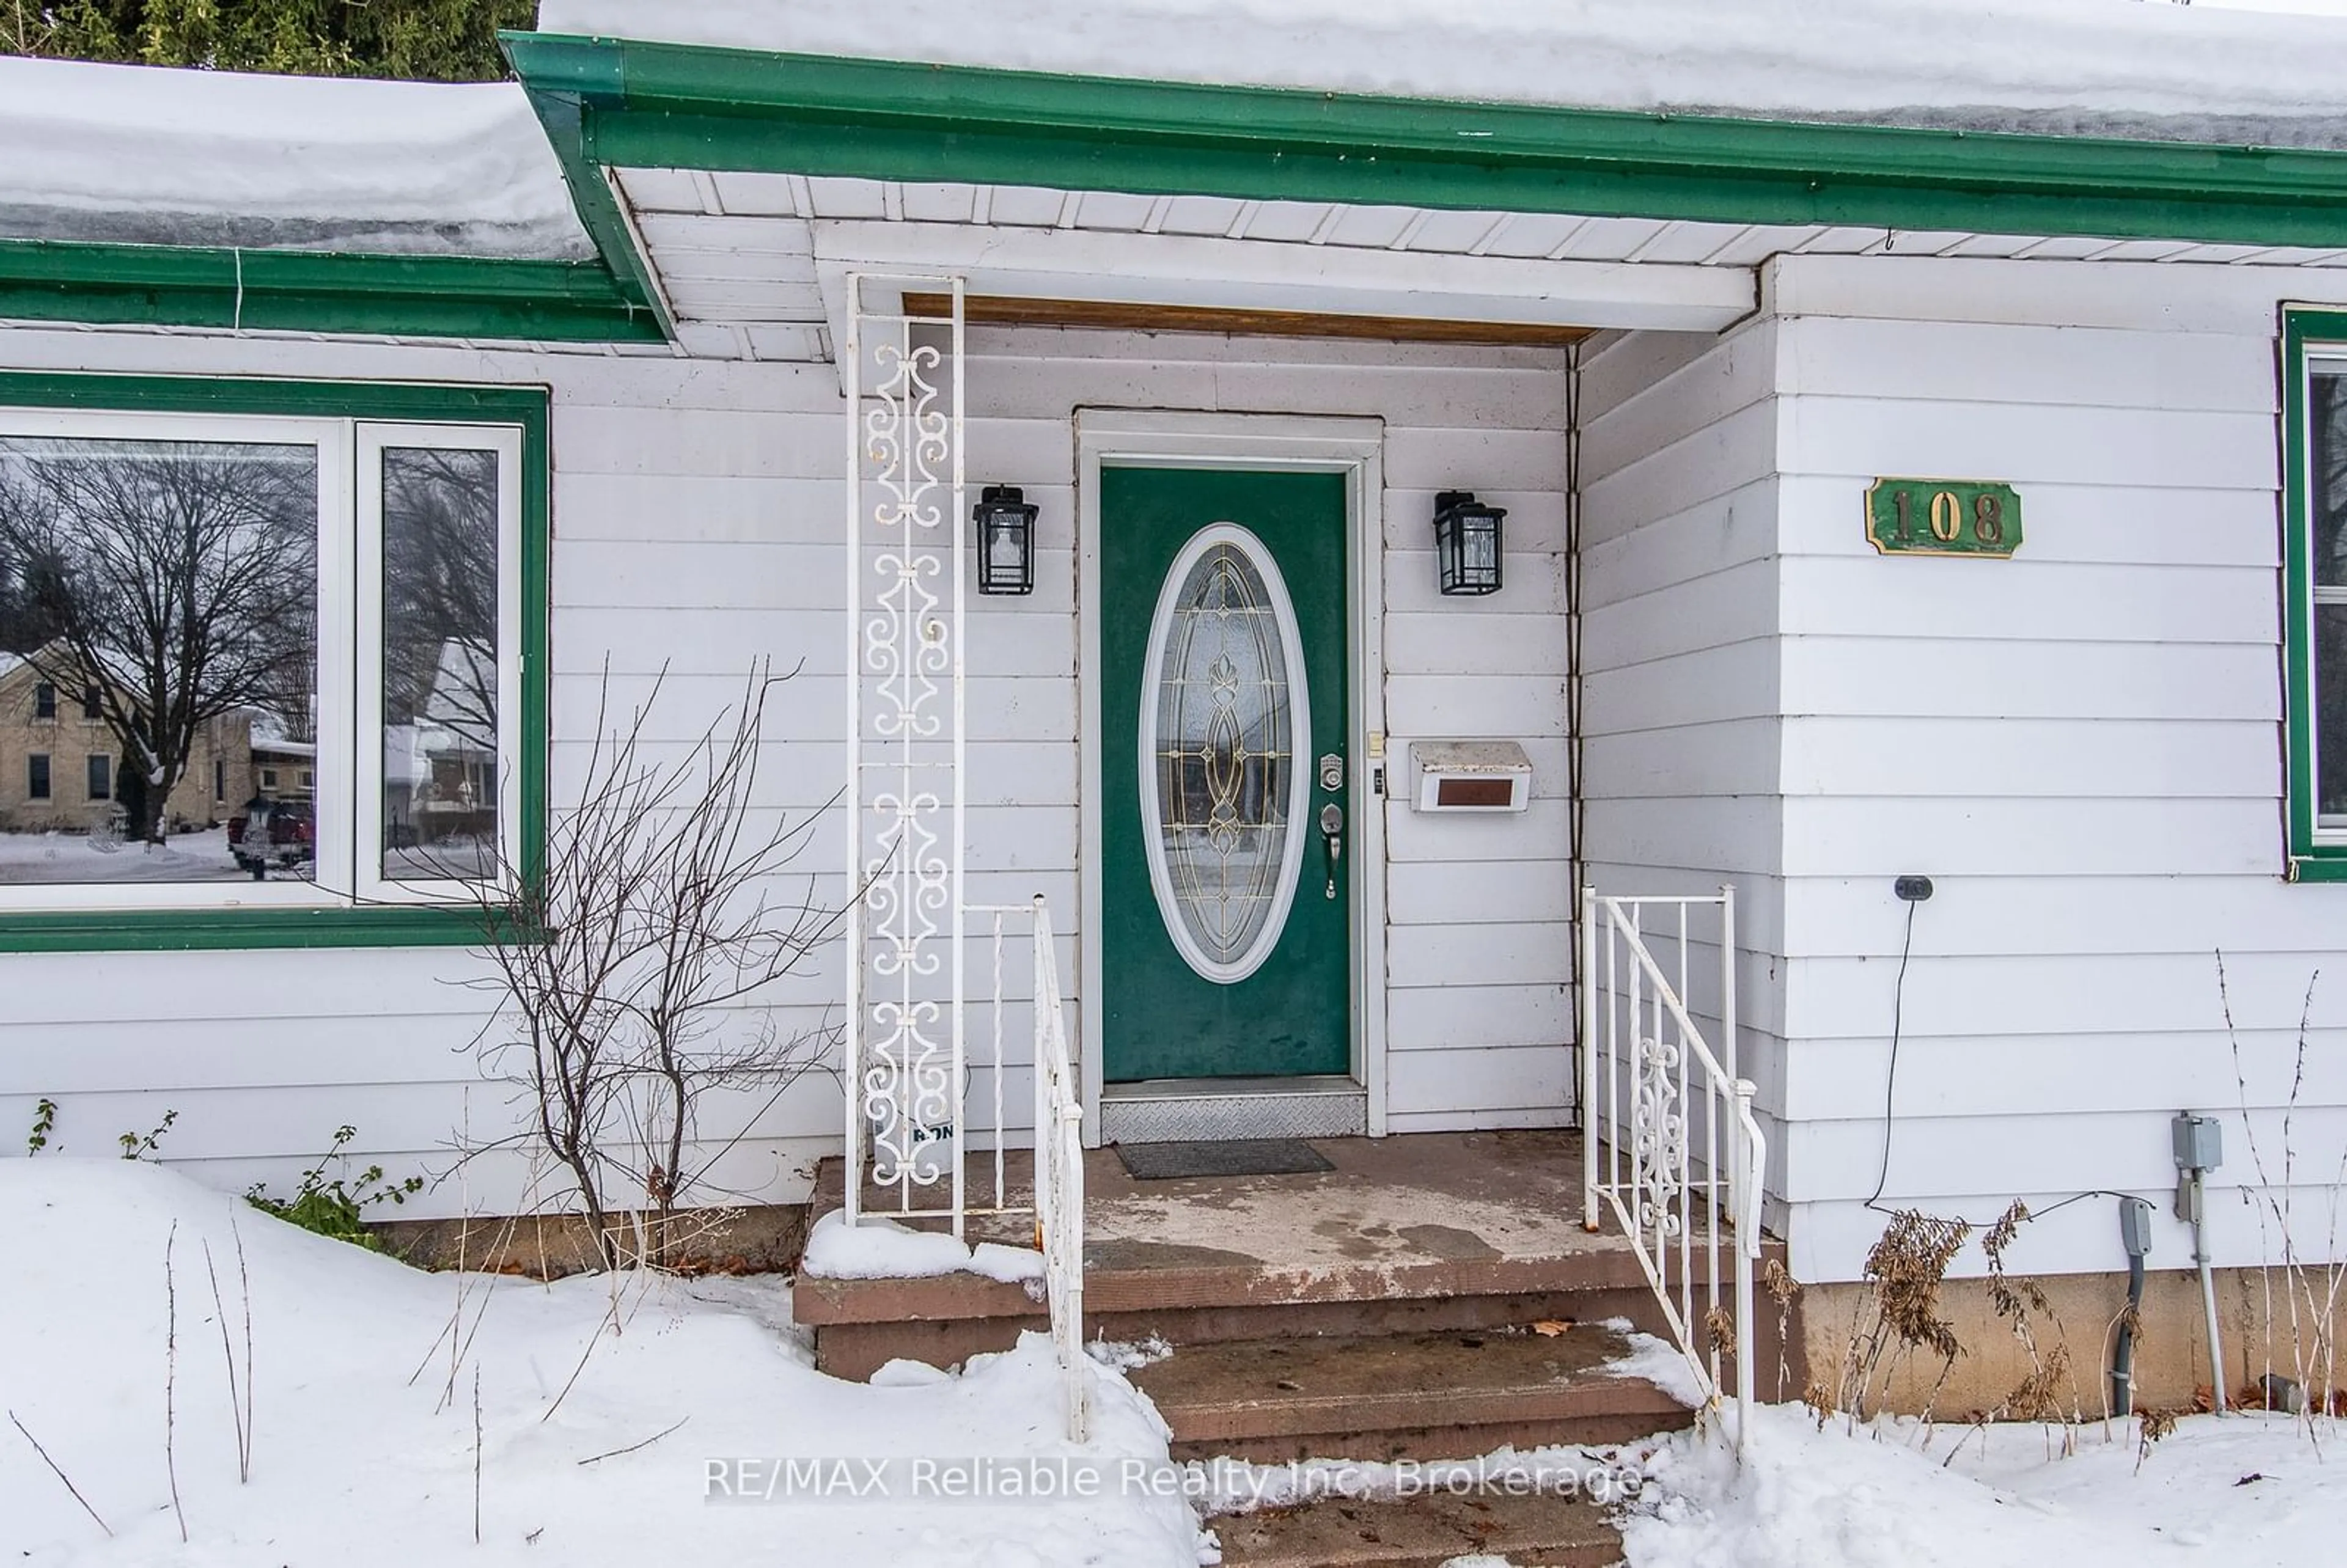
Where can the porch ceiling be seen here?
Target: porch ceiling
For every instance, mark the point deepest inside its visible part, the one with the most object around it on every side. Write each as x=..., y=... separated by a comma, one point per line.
x=752, y=265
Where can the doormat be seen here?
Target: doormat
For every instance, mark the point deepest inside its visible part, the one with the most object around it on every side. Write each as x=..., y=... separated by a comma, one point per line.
x=1228, y=1157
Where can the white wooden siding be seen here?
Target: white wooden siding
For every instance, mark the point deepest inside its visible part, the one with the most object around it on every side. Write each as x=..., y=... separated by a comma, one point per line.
x=1479, y=955
x=1680, y=705
x=695, y=508
x=2081, y=746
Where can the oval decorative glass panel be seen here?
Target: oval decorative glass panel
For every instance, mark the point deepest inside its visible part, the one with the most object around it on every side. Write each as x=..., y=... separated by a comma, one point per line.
x=1223, y=713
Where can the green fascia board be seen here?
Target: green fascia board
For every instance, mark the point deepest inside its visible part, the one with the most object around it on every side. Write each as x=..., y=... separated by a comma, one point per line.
x=319, y=291
x=563, y=108
x=645, y=105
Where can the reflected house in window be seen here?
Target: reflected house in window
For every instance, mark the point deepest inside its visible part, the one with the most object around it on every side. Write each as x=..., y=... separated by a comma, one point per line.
x=440, y=772
x=283, y=767
x=76, y=730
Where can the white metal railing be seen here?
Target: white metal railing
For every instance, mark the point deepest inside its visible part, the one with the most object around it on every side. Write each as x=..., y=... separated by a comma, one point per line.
x=1060, y=1178
x=975, y=1138
x=1655, y=1091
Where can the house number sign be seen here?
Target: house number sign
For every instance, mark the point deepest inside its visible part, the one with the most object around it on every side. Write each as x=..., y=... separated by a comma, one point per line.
x=1943, y=518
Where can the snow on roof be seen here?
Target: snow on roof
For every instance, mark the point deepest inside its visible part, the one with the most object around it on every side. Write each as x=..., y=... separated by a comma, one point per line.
x=146, y=156
x=2085, y=67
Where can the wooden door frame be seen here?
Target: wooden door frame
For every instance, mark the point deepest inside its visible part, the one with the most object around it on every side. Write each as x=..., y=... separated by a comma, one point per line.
x=1354, y=447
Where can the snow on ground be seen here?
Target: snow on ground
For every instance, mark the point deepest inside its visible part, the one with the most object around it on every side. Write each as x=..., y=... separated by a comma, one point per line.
x=2074, y=67
x=882, y=1249
x=637, y=1418
x=74, y=857
x=363, y=1426
x=146, y=156
x=2243, y=1491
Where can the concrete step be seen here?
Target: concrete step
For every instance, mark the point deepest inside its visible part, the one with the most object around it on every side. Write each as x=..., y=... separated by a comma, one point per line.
x=1431, y=1395
x=1423, y=1531
x=931, y=1322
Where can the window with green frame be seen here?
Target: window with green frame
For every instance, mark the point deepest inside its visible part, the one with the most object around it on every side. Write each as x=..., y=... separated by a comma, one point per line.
x=2314, y=559
x=338, y=583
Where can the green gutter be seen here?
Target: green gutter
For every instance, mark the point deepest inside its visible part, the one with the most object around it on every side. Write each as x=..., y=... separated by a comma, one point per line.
x=563, y=107
x=319, y=291
x=634, y=105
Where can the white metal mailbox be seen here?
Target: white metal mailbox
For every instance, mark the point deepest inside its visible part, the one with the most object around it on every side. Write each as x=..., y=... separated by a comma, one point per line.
x=1469, y=775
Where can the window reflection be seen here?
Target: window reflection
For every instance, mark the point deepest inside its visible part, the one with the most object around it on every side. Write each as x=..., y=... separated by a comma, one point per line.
x=167, y=592
x=440, y=664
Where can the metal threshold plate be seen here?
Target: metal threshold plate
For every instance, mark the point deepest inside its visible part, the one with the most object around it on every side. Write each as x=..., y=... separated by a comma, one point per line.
x=1224, y=1157
x=1217, y=1109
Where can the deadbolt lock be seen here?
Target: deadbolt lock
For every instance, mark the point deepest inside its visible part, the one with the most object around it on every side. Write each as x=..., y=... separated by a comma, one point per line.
x=1332, y=771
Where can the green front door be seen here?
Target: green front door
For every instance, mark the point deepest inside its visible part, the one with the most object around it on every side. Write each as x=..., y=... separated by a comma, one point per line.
x=1225, y=940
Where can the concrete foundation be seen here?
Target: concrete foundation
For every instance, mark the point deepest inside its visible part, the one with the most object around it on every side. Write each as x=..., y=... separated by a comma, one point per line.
x=2171, y=1350
x=761, y=1240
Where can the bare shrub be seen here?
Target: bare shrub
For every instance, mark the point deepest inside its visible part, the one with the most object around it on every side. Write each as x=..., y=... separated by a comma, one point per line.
x=631, y=962
x=2310, y=1282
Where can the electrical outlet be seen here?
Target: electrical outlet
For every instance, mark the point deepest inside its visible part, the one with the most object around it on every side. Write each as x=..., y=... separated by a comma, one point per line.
x=1915, y=889
x=2200, y=1142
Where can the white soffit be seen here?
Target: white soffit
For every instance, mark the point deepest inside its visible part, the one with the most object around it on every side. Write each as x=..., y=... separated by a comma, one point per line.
x=752, y=263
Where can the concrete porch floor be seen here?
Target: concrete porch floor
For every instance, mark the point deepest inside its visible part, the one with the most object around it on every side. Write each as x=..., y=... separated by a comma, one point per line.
x=1422, y=1213
x=1405, y=1234
x=1413, y=1233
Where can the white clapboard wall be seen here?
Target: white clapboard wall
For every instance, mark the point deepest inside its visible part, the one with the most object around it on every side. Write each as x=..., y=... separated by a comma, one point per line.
x=2081, y=746
x=696, y=508
x=1679, y=656
x=1479, y=945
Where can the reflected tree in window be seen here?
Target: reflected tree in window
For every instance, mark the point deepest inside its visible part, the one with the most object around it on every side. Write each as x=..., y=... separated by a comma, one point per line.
x=2329, y=590
x=440, y=662
x=2328, y=568
x=179, y=578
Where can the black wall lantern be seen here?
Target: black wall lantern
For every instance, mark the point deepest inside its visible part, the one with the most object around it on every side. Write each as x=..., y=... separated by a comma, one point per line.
x=1467, y=542
x=1006, y=541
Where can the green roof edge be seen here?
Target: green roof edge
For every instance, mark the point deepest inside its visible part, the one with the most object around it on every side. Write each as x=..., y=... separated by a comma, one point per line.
x=628, y=103
x=319, y=291
x=562, y=98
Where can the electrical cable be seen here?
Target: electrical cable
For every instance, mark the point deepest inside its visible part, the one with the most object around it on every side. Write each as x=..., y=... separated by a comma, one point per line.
x=1890, y=1087
x=1891, y=1078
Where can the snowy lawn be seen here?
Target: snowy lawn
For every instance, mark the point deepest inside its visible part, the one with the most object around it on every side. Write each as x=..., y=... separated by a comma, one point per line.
x=2242, y=1491
x=615, y=1414
x=363, y=1418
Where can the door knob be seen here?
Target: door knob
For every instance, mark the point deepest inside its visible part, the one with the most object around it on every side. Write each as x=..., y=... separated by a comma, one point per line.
x=1332, y=840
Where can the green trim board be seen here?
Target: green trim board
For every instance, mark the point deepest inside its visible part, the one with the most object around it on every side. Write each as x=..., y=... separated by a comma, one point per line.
x=356, y=924
x=563, y=116
x=321, y=292
x=647, y=105
x=213, y=930
x=2304, y=334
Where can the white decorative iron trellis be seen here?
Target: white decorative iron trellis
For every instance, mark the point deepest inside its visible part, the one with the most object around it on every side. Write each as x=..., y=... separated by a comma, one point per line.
x=907, y=1063
x=1654, y=1093
x=914, y=1123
